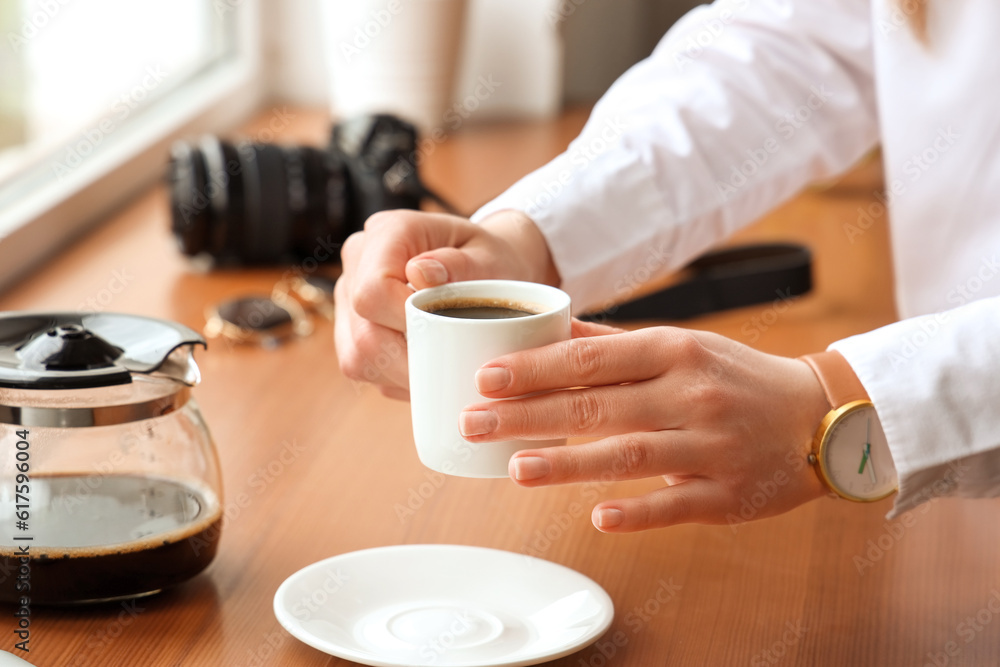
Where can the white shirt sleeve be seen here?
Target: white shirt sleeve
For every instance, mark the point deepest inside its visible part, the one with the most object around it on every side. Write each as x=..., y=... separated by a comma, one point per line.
x=741, y=104
x=934, y=382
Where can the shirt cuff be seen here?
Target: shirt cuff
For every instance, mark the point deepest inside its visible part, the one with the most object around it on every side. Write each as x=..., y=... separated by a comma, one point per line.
x=934, y=381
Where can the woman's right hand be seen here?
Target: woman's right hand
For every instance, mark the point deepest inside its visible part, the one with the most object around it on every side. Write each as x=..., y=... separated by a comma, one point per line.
x=403, y=248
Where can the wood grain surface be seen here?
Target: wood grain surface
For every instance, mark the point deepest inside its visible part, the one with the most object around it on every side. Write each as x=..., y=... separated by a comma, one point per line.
x=315, y=465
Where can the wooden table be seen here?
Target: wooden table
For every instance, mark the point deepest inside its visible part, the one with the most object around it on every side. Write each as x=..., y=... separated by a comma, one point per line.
x=831, y=583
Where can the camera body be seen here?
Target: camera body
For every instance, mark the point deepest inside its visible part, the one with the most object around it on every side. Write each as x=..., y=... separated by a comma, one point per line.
x=263, y=204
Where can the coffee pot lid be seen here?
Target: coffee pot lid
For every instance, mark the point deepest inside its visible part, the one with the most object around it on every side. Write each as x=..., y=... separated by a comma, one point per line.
x=82, y=350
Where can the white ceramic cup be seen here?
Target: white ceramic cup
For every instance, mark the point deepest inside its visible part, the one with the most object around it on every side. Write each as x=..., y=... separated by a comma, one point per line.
x=445, y=353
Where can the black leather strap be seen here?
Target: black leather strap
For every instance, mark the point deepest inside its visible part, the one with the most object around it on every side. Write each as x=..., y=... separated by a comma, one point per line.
x=723, y=279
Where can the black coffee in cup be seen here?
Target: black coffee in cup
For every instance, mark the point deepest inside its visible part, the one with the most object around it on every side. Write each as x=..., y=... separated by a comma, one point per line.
x=474, y=308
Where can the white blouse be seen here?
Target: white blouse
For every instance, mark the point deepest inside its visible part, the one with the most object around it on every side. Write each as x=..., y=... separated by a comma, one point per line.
x=746, y=101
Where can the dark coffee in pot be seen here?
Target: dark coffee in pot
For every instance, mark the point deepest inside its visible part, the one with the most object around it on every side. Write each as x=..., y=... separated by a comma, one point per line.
x=100, y=537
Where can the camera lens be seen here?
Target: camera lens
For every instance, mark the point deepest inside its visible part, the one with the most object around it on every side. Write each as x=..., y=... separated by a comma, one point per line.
x=254, y=203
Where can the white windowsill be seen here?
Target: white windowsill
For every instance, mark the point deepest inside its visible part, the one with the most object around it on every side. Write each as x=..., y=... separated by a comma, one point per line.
x=54, y=213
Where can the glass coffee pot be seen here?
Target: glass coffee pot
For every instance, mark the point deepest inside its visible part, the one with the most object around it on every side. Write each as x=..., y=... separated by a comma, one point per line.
x=109, y=481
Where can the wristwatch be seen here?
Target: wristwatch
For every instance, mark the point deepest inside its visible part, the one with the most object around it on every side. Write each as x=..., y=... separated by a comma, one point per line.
x=850, y=449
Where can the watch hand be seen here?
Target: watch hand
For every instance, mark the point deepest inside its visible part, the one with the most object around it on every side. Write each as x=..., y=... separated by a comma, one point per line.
x=864, y=458
x=868, y=452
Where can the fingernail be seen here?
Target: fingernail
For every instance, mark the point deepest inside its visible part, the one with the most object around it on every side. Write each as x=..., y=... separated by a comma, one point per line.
x=608, y=518
x=527, y=468
x=492, y=379
x=477, y=422
x=433, y=271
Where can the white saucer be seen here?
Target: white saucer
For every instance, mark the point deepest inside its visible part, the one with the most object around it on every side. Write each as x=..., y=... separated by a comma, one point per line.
x=442, y=605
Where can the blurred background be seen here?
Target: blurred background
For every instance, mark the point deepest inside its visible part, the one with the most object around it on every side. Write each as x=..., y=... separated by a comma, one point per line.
x=93, y=92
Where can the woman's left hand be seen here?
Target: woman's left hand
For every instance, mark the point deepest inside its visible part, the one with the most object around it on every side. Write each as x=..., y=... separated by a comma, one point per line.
x=720, y=422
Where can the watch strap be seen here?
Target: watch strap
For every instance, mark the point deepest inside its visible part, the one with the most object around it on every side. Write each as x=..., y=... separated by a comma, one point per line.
x=838, y=379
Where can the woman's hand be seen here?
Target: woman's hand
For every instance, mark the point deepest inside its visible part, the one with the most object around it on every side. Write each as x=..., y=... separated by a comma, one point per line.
x=402, y=248
x=723, y=424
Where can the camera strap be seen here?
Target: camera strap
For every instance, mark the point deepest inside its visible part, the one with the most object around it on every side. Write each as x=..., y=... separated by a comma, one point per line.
x=723, y=279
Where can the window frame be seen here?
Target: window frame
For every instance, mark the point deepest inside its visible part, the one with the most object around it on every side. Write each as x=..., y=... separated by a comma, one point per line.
x=50, y=216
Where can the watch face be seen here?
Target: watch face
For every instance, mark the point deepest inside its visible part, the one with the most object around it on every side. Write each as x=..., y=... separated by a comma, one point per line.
x=854, y=455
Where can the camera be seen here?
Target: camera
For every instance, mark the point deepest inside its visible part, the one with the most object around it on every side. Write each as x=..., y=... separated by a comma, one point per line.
x=257, y=204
